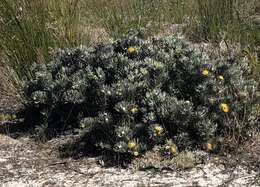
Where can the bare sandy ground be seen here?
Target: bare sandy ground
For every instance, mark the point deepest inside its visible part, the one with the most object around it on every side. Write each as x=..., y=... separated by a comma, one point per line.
x=23, y=163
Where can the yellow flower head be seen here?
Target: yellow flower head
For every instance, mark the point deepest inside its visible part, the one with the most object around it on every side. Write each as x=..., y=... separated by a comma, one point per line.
x=131, y=144
x=13, y=116
x=131, y=50
x=82, y=125
x=220, y=77
x=135, y=153
x=134, y=110
x=158, y=129
x=173, y=150
x=209, y=147
x=8, y=117
x=224, y=107
x=205, y=72
x=2, y=117
x=211, y=100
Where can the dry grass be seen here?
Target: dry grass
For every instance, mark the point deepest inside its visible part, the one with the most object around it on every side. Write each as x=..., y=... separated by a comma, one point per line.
x=7, y=87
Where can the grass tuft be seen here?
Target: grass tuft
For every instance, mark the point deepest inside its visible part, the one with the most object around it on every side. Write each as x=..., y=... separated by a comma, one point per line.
x=30, y=29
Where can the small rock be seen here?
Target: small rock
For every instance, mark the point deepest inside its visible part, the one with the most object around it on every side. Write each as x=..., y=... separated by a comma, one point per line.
x=3, y=160
x=50, y=184
x=9, y=166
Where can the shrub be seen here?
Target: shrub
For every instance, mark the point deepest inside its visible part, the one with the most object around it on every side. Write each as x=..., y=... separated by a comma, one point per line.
x=133, y=94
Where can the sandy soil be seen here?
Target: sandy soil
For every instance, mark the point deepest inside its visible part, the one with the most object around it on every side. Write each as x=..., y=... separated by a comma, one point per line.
x=23, y=163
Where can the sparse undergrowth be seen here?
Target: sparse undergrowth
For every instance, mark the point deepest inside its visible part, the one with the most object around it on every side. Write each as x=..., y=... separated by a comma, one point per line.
x=134, y=94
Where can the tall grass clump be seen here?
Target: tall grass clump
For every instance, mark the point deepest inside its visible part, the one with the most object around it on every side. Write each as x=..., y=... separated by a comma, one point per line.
x=29, y=29
x=119, y=16
x=177, y=11
x=210, y=20
x=227, y=19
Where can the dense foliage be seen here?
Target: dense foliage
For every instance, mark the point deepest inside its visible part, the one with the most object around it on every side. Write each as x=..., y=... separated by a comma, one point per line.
x=133, y=94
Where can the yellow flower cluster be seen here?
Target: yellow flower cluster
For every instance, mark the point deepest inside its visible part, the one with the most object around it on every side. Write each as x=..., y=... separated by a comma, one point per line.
x=134, y=110
x=205, y=72
x=209, y=147
x=172, y=149
x=131, y=144
x=135, y=153
x=221, y=77
x=224, y=107
x=158, y=129
x=131, y=50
